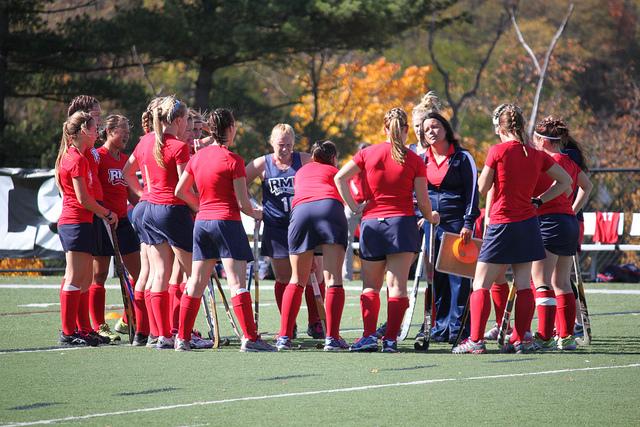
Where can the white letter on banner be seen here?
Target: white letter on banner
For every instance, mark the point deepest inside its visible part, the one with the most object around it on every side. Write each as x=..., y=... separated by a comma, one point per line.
x=22, y=241
x=50, y=207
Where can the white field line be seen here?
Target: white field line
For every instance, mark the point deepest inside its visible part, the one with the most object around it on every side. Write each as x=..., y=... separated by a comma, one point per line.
x=270, y=286
x=317, y=392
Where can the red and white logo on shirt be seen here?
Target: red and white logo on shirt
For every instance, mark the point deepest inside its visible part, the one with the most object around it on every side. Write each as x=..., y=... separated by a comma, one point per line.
x=115, y=177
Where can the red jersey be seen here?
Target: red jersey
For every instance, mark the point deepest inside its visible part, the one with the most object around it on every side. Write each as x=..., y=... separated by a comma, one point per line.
x=388, y=184
x=94, y=164
x=74, y=165
x=138, y=153
x=357, y=187
x=114, y=187
x=313, y=182
x=561, y=204
x=162, y=181
x=514, y=180
x=436, y=172
x=214, y=168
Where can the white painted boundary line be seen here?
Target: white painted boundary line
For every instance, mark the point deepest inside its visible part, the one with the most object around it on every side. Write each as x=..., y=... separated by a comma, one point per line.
x=316, y=392
x=270, y=286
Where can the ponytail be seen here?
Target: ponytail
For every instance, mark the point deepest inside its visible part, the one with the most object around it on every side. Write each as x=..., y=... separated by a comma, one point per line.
x=509, y=119
x=159, y=138
x=557, y=130
x=70, y=129
x=395, y=121
x=324, y=152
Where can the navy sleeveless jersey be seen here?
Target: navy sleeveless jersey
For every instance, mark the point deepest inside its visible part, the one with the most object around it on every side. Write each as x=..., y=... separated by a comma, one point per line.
x=277, y=191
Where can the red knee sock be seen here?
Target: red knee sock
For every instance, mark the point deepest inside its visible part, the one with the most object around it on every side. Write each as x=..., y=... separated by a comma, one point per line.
x=160, y=304
x=370, y=306
x=291, y=301
x=153, y=327
x=396, y=306
x=278, y=290
x=175, y=296
x=83, y=322
x=334, y=307
x=566, y=314
x=97, y=297
x=244, y=313
x=69, y=301
x=189, y=307
x=142, y=317
x=480, y=310
x=525, y=306
x=499, y=295
x=309, y=296
x=546, y=306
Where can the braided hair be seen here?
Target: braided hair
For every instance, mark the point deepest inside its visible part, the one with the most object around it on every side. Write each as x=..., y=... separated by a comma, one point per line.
x=557, y=131
x=167, y=110
x=395, y=121
x=510, y=120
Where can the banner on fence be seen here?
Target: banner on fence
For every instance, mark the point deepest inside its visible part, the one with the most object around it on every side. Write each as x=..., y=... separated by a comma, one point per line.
x=30, y=206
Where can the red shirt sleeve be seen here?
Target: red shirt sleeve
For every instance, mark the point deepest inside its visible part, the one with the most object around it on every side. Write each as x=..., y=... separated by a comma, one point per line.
x=78, y=169
x=238, y=169
x=189, y=168
x=547, y=161
x=421, y=169
x=182, y=154
x=491, y=160
x=358, y=159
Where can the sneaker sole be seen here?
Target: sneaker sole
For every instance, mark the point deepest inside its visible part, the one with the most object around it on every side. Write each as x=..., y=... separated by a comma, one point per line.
x=331, y=348
x=364, y=349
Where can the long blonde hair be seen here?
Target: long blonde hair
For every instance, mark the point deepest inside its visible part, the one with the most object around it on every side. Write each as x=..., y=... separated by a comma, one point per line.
x=395, y=121
x=167, y=110
x=70, y=131
x=147, y=116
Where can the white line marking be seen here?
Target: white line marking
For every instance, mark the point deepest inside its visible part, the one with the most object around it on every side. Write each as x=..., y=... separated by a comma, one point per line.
x=40, y=304
x=315, y=392
x=43, y=350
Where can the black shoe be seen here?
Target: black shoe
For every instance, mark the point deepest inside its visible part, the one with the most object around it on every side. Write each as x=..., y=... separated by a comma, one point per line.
x=100, y=338
x=72, y=340
x=315, y=331
x=90, y=339
x=295, y=331
x=140, y=340
x=382, y=329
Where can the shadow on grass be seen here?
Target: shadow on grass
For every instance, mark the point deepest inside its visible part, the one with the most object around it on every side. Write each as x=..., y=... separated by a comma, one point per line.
x=288, y=377
x=409, y=368
x=144, y=392
x=34, y=406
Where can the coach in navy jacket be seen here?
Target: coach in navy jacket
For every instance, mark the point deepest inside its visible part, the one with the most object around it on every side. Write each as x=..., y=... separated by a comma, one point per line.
x=453, y=190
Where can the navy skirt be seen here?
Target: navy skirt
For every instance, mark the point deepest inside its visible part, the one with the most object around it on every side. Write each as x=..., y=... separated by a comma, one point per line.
x=512, y=243
x=312, y=224
x=559, y=233
x=275, y=242
x=216, y=239
x=137, y=219
x=385, y=236
x=128, y=242
x=77, y=237
x=169, y=223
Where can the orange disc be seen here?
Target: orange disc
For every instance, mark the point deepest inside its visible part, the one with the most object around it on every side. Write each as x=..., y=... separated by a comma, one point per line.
x=465, y=253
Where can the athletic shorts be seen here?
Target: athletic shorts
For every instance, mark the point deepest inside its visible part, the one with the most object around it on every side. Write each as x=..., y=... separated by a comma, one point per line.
x=512, y=243
x=559, y=233
x=77, y=237
x=312, y=224
x=127, y=239
x=216, y=239
x=98, y=228
x=138, y=221
x=169, y=223
x=380, y=237
x=275, y=242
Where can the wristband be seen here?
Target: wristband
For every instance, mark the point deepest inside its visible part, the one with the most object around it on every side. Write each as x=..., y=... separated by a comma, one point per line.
x=536, y=201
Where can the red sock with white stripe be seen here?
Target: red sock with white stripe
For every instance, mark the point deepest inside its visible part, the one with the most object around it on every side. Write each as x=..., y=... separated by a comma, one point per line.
x=189, y=307
x=335, y=306
x=153, y=327
x=480, y=310
x=566, y=314
x=370, y=306
x=244, y=312
x=69, y=301
x=160, y=304
x=525, y=306
x=500, y=296
x=140, y=308
x=83, y=321
x=278, y=290
x=291, y=300
x=546, y=307
x=97, y=296
x=396, y=306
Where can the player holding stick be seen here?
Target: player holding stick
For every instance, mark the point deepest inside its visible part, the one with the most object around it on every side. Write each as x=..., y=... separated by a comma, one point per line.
x=389, y=237
x=220, y=178
x=317, y=220
x=512, y=167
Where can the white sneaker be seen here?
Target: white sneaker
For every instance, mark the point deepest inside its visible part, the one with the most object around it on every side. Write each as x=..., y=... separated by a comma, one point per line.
x=255, y=346
x=182, y=345
x=199, y=342
x=165, y=343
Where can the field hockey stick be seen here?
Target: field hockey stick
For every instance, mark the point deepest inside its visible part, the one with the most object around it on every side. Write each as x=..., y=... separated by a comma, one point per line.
x=317, y=296
x=422, y=343
x=506, y=316
x=125, y=286
x=207, y=316
x=234, y=326
x=408, y=315
x=256, y=273
x=214, y=313
x=582, y=300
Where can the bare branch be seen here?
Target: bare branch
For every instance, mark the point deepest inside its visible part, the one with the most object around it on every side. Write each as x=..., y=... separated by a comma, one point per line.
x=64, y=9
x=512, y=13
x=545, y=65
x=439, y=67
x=136, y=57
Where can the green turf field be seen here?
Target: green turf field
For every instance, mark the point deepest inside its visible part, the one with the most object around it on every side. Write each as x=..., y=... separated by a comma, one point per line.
x=120, y=385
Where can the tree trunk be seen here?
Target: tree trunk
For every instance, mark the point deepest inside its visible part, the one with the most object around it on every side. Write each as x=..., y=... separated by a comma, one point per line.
x=4, y=34
x=204, y=83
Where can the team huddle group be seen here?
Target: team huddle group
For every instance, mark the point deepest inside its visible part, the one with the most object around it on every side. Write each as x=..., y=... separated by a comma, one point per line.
x=186, y=218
